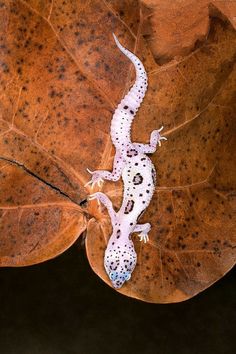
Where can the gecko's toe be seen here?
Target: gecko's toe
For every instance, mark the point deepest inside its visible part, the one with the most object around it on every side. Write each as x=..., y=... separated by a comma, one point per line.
x=143, y=237
x=89, y=171
x=93, y=197
x=87, y=184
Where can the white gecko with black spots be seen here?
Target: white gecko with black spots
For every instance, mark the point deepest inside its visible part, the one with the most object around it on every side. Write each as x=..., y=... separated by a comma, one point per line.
x=139, y=177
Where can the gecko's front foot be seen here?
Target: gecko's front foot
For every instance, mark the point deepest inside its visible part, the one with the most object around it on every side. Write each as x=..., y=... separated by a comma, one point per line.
x=159, y=137
x=100, y=197
x=144, y=228
x=103, y=198
x=143, y=237
x=94, y=196
x=96, y=178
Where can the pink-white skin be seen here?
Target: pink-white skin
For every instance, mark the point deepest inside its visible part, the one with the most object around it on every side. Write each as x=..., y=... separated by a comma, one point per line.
x=139, y=177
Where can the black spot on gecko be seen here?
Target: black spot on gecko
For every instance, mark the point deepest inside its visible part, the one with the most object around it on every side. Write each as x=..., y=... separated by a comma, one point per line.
x=153, y=175
x=118, y=233
x=126, y=107
x=132, y=112
x=129, y=207
x=138, y=179
x=132, y=152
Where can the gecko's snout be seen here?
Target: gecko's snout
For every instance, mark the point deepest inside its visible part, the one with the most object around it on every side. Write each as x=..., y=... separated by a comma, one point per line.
x=117, y=285
x=118, y=279
x=119, y=261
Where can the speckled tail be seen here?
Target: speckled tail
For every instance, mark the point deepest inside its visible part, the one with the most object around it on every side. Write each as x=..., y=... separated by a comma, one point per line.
x=129, y=105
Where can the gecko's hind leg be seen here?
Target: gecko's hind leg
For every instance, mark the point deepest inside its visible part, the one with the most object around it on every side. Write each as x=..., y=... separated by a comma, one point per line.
x=103, y=198
x=98, y=176
x=144, y=230
x=150, y=148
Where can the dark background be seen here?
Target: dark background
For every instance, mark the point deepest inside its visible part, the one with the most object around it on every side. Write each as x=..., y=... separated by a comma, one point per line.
x=61, y=306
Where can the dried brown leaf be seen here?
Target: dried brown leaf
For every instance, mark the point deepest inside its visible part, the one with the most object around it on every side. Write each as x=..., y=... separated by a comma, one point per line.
x=61, y=78
x=192, y=242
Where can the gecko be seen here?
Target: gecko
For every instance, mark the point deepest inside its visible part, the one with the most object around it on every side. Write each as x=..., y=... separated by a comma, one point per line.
x=138, y=175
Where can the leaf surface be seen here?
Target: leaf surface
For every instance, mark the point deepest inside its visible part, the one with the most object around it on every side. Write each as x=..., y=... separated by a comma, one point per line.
x=61, y=79
x=174, y=28
x=192, y=241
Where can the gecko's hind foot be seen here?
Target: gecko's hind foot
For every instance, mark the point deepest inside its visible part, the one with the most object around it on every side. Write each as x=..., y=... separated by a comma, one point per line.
x=159, y=137
x=96, y=178
x=143, y=237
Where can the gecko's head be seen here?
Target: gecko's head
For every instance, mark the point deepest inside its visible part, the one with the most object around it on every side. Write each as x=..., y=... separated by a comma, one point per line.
x=120, y=261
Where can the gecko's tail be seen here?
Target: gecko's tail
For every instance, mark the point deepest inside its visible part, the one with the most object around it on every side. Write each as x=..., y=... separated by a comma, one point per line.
x=136, y=94
x=129, y=105
x=115, y=38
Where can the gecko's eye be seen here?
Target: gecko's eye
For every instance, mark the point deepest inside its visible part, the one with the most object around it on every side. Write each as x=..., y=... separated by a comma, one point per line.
x=127, y=276
x=113, y=275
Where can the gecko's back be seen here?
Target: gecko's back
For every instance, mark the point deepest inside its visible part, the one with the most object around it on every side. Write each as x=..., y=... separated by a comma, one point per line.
x=139, y=179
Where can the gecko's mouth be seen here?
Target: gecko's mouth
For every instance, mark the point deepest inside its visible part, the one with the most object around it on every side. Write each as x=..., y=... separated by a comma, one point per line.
x=118, y=279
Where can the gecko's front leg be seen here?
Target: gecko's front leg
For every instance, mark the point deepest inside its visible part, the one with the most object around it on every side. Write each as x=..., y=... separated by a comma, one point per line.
x=154, y=140
x=103, y=198
x=144, y=230
x=99, y=175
